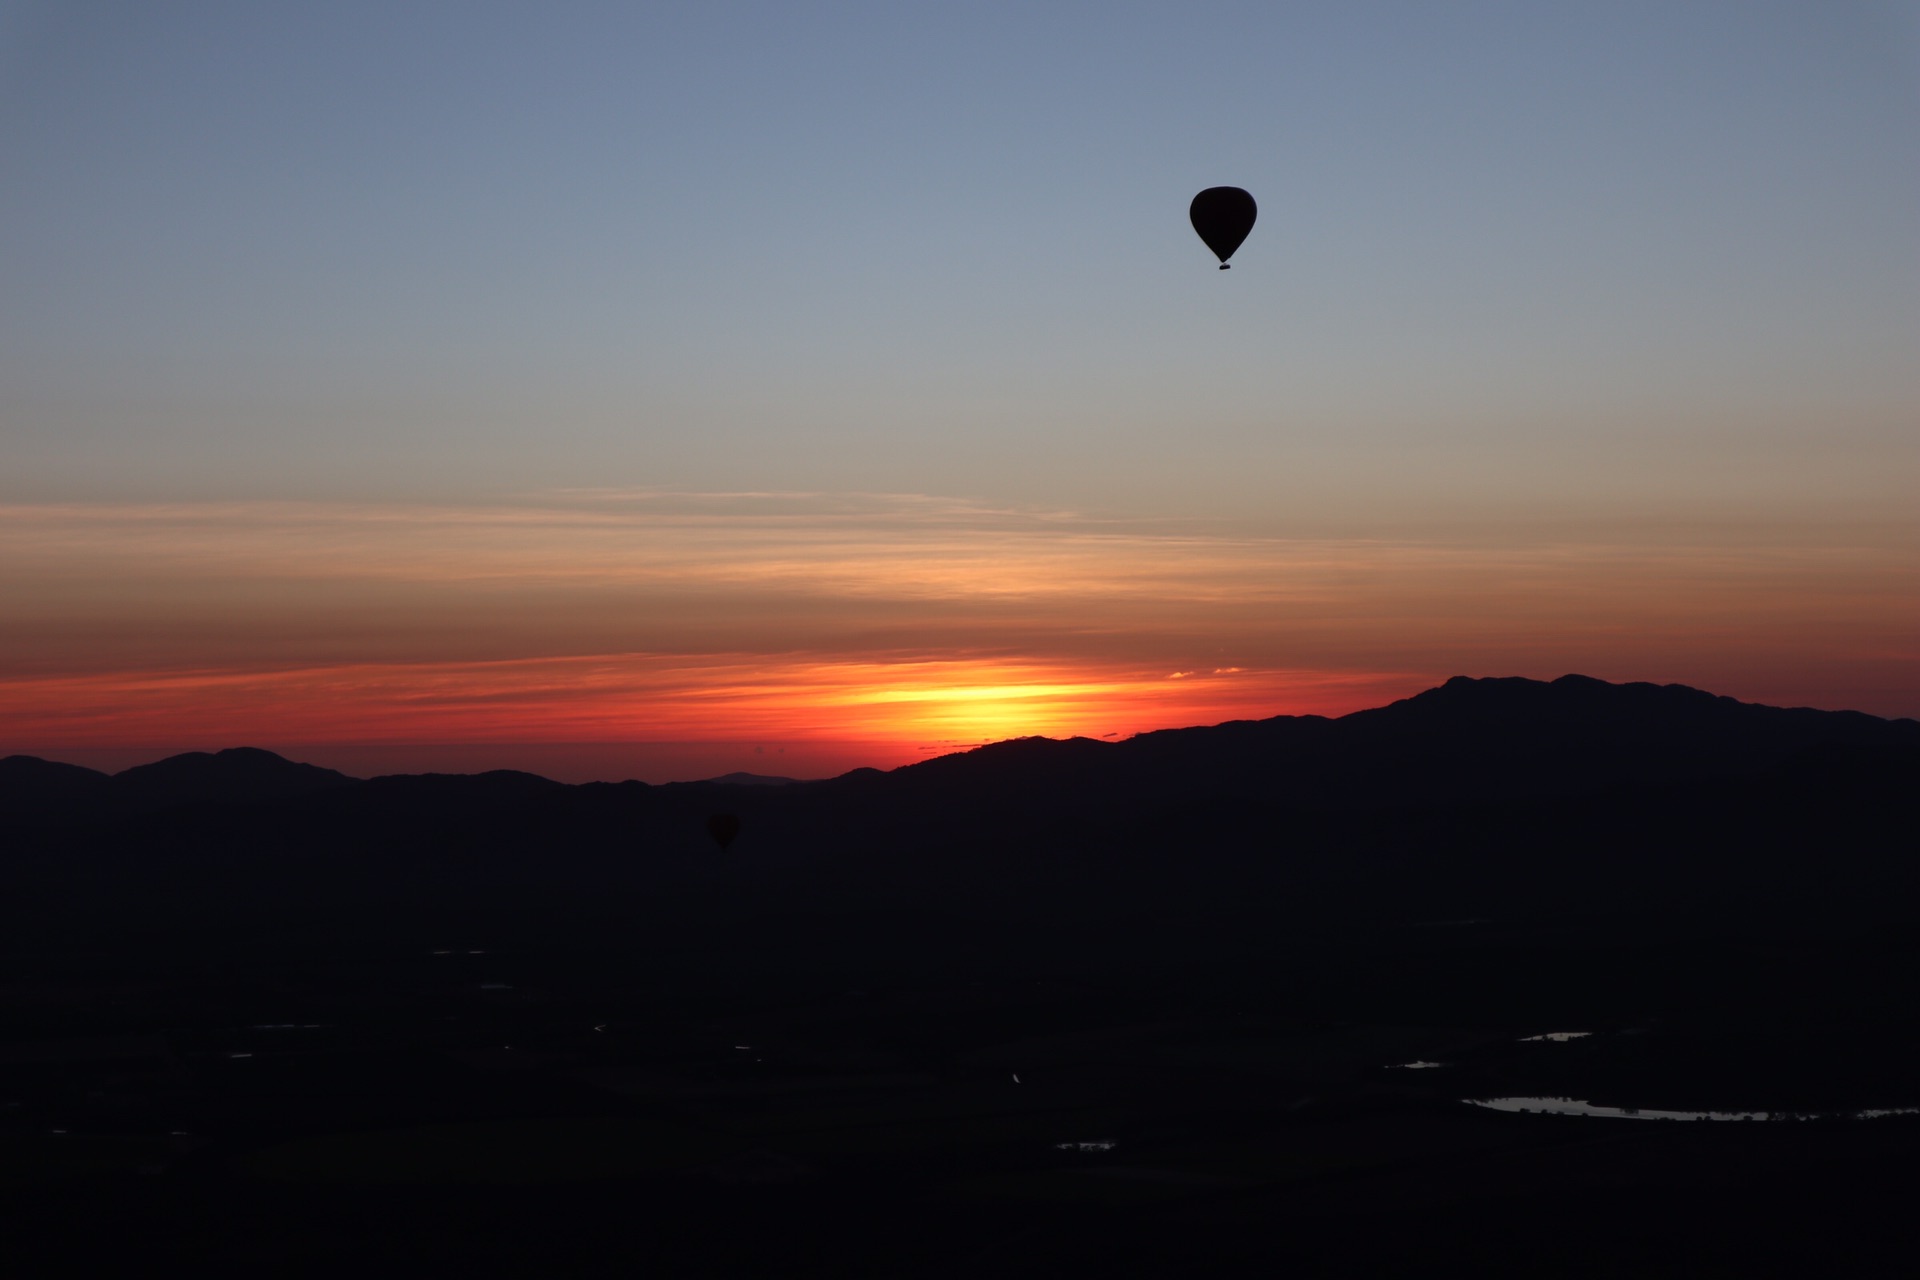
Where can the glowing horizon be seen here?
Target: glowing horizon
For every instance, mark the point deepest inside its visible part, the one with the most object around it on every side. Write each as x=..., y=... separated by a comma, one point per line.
x=866, y=629
x=462, y=388
x=880, y=715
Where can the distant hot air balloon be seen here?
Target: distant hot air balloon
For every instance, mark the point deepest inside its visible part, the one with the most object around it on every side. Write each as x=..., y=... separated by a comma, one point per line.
x=1223, y=216
x=723, y=827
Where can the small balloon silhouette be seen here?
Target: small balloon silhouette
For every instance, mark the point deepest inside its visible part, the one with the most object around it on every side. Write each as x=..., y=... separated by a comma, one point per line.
x=1223, y=216
x=723, y=827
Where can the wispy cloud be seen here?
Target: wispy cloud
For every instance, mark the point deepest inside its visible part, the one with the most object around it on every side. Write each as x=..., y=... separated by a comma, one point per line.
x=908, y=707
x=657, y=615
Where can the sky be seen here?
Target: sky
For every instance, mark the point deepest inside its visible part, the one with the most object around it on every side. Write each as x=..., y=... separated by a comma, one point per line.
x=656, y=390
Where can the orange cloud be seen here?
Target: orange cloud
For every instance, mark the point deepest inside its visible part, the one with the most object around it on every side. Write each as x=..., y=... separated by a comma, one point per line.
x=904, y=623
x=913, y=708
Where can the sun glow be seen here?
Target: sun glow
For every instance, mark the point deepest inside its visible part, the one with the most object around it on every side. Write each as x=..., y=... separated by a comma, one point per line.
x=967, y=702
x=862, y=629
x=910, y=709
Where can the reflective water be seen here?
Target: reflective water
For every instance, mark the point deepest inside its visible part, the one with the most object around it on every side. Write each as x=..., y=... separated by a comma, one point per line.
x=1575, y=1107
x=1557, y=1036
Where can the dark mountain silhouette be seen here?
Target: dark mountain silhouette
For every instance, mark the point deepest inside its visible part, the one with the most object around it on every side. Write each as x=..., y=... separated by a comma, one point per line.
x=30, y=783
x=1514, y=797
x=1468, y=739
x=1067, y=1006
x=24, y=778
x=237, y=775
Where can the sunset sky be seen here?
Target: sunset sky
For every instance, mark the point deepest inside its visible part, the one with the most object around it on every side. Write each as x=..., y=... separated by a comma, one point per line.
x=656, y=390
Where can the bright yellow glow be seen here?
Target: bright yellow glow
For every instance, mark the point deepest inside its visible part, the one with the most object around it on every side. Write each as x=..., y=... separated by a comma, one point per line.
x=907, y=624
x=919, y=708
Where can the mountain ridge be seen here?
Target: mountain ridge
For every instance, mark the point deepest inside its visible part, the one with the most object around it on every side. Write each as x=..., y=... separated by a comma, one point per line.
x=1467, y=737
x=1522, y=801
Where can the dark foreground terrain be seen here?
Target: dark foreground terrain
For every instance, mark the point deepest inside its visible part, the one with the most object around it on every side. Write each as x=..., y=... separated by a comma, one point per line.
x=1045, y=1008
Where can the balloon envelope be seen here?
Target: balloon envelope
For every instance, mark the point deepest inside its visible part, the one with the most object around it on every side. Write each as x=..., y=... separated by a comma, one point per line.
x=723, y=827
x=1223, y=216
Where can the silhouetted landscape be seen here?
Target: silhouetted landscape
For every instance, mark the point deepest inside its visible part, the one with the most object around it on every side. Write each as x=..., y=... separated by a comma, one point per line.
x=1298, y=992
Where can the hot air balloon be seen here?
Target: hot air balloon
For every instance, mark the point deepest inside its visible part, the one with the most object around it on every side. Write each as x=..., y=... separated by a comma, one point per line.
x=1223, y=216
x=723, y=827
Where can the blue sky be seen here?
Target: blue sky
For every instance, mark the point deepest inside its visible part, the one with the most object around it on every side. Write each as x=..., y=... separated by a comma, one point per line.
x=432, y=249
x=542, y=372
